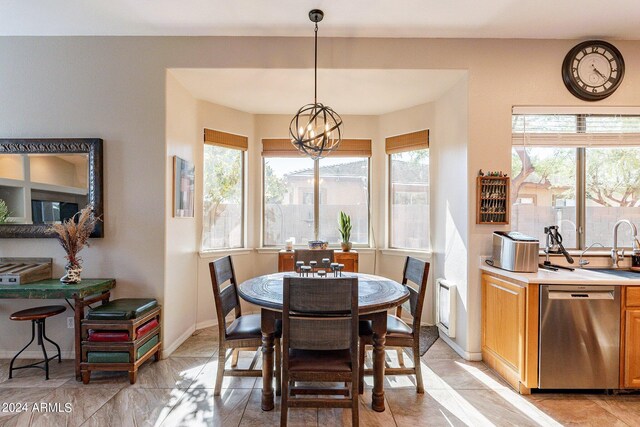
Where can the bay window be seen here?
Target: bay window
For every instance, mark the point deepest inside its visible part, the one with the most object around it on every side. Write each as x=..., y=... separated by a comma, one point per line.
x=223, y=198
x=409, y=190
x=302, y=197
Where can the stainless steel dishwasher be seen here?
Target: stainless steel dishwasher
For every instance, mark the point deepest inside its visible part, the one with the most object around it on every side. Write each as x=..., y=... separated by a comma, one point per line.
x=579, y=345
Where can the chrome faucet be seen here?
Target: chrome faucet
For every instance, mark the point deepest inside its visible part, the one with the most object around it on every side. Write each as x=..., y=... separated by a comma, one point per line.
x=617, y=255
x=583, y=262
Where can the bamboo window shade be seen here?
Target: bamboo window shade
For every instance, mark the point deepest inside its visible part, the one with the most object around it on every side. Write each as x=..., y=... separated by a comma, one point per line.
x=227, y=140
x=407, y=142
x=347, y=148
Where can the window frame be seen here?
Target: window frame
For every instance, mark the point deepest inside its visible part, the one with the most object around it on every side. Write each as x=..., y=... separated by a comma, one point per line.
x=316, y=204
x=581, y=165
x=243, y=201
x=389, y=221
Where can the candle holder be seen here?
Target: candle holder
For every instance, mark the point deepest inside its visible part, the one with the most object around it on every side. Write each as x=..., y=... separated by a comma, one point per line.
x=304, y=270
x=298, y=265
x=322, y=273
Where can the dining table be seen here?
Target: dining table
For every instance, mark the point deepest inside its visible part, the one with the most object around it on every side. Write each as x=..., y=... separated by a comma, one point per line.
x=376, y=295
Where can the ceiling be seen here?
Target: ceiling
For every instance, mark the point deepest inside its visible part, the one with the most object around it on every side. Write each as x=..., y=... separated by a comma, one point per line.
x=284, y=91
x=544, y=19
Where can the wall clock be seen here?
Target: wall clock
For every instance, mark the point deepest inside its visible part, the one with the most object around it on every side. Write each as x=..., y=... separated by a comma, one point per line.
x=593, y=70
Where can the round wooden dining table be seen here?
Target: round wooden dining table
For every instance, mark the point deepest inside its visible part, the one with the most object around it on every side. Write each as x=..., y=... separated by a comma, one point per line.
x=375, y=296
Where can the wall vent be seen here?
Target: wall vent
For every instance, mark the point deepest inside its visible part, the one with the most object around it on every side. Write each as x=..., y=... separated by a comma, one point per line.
x=446, y=307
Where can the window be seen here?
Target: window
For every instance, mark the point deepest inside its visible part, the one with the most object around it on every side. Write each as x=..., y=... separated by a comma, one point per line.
x=294, y=206
x=288, y=200
x=409, y=190
x=344, y=186
x=580, y=172
x=223, y=215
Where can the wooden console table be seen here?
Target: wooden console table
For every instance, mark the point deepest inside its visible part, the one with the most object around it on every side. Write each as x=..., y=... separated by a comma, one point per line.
x=87, y=292
x=349, y=259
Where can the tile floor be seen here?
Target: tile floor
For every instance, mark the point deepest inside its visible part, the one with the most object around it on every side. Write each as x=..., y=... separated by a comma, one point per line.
x=178, y=391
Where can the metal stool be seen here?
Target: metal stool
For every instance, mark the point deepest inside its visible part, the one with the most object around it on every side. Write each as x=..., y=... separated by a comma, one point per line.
x=37, y=315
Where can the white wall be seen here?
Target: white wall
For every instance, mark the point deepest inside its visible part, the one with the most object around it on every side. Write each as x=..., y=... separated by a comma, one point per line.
x=181, y=234
x=114, y=88
x=450, y=207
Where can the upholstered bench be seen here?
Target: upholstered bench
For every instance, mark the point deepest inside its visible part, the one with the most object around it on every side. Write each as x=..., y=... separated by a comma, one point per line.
x=120, y=336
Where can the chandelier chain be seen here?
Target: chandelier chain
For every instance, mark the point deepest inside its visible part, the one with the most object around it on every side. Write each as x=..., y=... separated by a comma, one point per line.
x=315, y=67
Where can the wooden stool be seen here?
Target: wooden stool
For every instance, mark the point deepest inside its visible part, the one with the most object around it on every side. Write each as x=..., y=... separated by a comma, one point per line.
x=37, y=315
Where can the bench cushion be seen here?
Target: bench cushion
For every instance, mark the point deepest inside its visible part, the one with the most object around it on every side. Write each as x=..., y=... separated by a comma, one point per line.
x=108, y=336
x=144, y=348
x=146, y=328
x=122, y=309
x=107, y=357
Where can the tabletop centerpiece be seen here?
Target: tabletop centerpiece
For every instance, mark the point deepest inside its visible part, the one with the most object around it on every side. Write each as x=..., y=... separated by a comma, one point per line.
x=73, y=235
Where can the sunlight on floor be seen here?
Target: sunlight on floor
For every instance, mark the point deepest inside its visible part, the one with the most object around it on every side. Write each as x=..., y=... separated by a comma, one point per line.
x=513, y=398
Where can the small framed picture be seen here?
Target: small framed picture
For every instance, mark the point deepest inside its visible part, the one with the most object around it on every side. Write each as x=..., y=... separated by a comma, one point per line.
x=183, y=188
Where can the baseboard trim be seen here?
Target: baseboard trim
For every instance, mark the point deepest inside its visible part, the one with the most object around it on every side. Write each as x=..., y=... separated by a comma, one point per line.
x=206, y=324
x=167, y=350
x=35, y=354
x=476, y=357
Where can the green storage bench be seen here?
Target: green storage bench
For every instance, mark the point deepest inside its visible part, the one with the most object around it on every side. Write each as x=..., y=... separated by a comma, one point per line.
x=120, y=336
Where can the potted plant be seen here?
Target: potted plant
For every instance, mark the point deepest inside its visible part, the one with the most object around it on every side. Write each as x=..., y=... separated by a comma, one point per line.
x=344, y=227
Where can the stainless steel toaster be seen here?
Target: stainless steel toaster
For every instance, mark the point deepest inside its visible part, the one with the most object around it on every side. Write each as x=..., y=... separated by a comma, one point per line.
x=515, y=251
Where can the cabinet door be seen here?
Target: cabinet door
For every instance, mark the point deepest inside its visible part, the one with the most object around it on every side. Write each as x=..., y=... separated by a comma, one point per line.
x=632, y=349
x=285, y=261
x=349, y=259
x=503, y=321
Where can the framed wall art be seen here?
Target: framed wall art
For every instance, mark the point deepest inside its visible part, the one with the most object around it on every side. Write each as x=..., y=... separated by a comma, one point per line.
x=183, y=188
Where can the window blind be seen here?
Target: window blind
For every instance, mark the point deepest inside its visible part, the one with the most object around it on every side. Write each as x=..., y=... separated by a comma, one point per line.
x=280, y=147
x=407, y=142
x=575, y=130
x=227, y=140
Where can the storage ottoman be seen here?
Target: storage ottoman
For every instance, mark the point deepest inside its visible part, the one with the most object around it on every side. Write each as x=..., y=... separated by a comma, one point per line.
x=120, y=336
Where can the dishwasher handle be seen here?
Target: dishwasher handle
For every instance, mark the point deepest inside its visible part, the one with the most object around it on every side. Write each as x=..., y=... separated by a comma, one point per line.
x=581, y=295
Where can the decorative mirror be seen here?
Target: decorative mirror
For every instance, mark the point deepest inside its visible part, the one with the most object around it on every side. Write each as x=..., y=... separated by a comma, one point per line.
x=43, y=181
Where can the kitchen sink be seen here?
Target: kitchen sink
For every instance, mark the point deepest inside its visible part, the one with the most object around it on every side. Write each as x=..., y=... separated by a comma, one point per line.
x=618, y=272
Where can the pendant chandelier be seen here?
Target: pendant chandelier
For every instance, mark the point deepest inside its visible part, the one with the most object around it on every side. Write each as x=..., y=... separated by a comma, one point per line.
x=315, y=130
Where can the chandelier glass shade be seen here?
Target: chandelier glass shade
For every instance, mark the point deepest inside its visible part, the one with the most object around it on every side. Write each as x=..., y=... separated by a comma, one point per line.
x=316, y=129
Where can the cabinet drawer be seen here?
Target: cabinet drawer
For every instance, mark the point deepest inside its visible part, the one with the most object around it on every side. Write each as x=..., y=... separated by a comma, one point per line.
x=633, y=296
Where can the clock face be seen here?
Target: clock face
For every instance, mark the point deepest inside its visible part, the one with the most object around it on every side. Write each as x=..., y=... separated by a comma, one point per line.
x=593, y=70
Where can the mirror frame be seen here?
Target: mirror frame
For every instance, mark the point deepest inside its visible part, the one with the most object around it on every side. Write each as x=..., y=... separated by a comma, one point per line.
x=90, y=146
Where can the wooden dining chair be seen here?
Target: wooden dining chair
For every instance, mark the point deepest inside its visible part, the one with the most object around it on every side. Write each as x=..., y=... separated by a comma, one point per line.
x=320, y=343
x=317, y=255
x=243, y=333
x=399, y=334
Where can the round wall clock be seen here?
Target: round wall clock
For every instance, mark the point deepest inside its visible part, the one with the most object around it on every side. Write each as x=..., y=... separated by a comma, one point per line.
x=593, y=70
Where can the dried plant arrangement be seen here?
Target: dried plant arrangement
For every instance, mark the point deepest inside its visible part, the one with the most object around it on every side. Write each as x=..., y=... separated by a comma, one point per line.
x=73, y=235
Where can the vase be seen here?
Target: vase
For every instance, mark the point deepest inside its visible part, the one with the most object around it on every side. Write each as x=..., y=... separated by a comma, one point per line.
x=72, y=274
x=346, y=246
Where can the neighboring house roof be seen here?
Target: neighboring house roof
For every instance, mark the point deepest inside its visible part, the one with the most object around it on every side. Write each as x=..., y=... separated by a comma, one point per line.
x=410, y=173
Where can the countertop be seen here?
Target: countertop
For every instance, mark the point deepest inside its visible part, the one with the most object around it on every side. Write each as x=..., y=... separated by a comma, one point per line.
x=580, y=276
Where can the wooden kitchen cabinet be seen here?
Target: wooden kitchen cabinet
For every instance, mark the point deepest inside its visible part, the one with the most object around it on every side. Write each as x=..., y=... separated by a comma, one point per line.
x=349, y=259
x=630, y=363
x=510, y=331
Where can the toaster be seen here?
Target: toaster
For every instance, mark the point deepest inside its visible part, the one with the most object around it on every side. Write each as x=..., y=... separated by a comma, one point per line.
x=514, y=251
